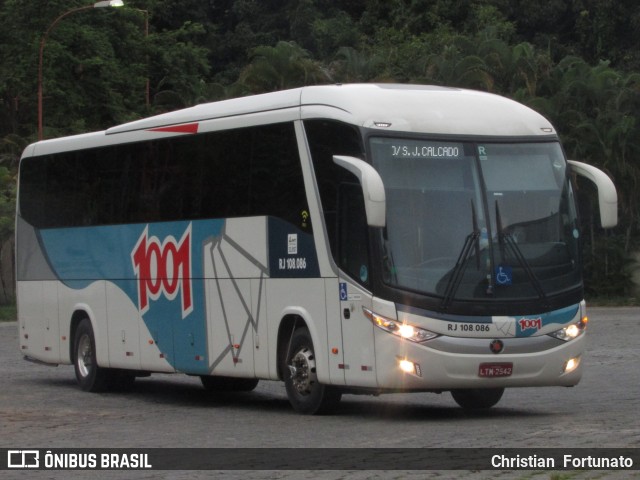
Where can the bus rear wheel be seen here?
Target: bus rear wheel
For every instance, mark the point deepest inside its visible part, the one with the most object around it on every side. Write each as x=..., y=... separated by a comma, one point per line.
x=306, y=394
x=477, y=398
x=89, y=375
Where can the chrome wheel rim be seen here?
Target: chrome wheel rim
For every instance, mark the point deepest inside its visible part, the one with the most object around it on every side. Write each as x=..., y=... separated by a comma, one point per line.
x=303, y=371
x=84, y=355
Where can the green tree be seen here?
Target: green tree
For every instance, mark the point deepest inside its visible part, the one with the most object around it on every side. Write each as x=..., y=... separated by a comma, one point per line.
x=181, y=68
x=576, y=62
x=596, y=109
x=286, y=65
x=454, y=66
x=353, y=66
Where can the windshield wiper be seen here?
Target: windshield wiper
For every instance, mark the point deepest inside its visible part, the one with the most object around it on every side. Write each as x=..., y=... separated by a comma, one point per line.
x=390, y=274
x=508, y=243
x=471, y=243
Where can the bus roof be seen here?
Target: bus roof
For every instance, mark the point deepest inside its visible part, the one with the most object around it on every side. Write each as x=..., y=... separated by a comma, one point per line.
x=413, y=108
x=407, y=108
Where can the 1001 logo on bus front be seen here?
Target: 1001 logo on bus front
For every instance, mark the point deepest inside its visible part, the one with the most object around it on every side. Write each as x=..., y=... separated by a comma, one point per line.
x=163, y=269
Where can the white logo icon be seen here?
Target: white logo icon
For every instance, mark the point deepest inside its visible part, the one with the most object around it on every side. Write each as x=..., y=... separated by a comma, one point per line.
x=23, y=459
x=292, y=244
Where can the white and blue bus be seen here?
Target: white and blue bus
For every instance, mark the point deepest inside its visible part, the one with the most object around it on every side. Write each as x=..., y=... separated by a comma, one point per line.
x=342, y=239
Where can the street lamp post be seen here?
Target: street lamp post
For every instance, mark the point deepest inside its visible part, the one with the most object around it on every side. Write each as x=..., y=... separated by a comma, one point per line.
x=102, y=4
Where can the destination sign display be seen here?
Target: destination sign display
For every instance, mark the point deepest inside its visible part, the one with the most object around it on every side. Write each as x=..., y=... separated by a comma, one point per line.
x=427, y=150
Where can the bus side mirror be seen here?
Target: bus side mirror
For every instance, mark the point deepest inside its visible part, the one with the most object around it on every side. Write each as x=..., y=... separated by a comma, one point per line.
x=372, y=188
x=607, y=195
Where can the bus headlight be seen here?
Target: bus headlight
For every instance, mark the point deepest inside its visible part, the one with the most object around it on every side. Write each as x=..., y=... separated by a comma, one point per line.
x=403, y=330
x=571, y=331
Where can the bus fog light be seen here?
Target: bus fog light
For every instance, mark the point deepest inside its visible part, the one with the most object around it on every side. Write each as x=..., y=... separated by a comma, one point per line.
x=571, y=364
x=408, y=366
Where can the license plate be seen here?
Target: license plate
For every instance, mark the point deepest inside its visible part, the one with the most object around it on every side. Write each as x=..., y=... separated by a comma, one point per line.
x=495, y=370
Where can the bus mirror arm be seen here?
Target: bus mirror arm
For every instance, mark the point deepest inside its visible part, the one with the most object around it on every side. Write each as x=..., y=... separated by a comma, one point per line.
x=607, y=195
x=372, y=188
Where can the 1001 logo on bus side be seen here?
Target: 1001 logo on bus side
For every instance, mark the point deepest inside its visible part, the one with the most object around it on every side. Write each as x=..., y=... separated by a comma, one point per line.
x=163, y=269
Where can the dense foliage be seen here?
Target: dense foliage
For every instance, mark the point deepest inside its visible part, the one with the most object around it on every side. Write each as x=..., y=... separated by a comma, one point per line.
x=575, y=61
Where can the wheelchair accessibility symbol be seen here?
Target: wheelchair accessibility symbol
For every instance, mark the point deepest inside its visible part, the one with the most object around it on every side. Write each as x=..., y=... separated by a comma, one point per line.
x=343, y=292
x=504, y=275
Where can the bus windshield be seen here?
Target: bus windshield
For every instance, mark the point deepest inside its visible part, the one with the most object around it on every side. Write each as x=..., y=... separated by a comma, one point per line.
x=477, y=221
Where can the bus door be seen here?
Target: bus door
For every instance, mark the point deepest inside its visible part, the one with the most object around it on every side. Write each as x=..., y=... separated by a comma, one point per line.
x=357, y=335
x=354, y=260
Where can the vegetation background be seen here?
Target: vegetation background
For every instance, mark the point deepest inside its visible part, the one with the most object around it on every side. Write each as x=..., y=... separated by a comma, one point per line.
x=574, y=61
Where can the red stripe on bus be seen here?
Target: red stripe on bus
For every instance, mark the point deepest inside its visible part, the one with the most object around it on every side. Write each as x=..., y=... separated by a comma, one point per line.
x=184, y=128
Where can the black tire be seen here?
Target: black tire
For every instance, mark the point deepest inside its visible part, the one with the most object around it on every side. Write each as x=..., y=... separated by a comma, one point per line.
x=306, y=394
x=89, y=375
x=228, y=384
x=477, y=398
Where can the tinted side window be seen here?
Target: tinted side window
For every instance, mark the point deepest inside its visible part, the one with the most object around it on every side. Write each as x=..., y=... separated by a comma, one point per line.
x=353, y=233
x=252, y=171
x=328, y=138
x=276, y=184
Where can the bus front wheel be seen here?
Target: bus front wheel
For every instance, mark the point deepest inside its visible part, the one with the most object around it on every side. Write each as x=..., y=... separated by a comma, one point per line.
x=306, y=394
x=477, y=398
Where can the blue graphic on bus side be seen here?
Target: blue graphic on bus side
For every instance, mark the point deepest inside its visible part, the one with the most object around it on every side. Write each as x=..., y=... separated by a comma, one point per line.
x=159, y=266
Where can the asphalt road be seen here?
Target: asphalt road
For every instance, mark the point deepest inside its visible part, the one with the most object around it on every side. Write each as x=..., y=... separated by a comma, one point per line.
x=41, y=407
